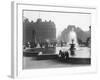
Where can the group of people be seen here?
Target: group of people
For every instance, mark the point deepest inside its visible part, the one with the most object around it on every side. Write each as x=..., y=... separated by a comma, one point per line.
x=39, y=44
x=30, y=44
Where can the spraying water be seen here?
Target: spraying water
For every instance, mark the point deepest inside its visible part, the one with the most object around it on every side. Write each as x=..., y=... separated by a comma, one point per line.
x=72, y=37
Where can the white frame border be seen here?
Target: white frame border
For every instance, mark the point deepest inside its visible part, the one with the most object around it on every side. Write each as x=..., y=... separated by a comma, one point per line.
x=16, y=67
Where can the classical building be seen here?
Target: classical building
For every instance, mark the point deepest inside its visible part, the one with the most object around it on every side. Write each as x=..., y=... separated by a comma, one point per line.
x=82, y=36
x=39, y=30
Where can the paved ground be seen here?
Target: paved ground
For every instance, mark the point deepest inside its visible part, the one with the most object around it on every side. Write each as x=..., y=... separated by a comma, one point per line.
x=81, y=52
x=32, y=62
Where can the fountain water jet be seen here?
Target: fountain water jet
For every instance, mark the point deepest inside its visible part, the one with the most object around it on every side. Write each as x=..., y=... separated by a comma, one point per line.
x=72, y=38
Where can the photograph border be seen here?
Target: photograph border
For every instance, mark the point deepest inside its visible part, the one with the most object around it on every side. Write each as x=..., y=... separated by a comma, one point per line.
x=16, y=40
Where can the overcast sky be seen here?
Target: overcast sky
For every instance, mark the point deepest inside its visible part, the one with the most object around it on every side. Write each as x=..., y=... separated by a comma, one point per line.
x=61, y=20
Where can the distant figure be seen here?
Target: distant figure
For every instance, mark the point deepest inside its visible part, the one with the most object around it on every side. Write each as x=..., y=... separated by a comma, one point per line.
x=60, y=53
x=61, y=43
x=40, y=53
x=29, y=45
x=66, y=55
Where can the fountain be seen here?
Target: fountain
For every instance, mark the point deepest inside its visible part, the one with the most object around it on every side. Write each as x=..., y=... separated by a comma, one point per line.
x=72, y=38
x=72, y=41
x=72, y=48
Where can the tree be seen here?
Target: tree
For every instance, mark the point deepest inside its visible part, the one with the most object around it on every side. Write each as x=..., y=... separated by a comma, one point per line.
x=88, y=41
x=26, y=21
x=79, y=41
x=39, y=20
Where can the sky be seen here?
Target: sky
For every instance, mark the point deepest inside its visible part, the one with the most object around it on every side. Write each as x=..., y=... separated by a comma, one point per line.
x=61, y=20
